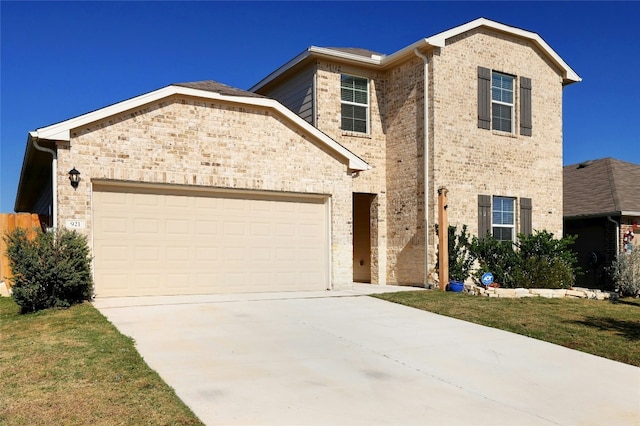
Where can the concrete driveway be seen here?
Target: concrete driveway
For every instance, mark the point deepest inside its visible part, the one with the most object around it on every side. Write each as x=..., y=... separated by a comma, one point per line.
x=342, y=358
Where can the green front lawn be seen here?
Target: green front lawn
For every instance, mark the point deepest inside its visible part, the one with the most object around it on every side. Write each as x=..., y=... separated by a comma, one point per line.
x=73, y=367
x=603, y=328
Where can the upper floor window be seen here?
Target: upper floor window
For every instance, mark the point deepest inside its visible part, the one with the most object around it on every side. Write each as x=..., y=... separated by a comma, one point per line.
x=497, y=102
x=354, y=97
x=502, y=102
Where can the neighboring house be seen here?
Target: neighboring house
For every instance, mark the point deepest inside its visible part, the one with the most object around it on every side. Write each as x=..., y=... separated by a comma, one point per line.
x=493, y=129
x=601, y=207
x=203, y=188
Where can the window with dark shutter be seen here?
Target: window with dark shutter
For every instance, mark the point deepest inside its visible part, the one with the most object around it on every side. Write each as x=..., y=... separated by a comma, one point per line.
x=484, y=98
x=484, y=215
x=525, y=106
x=525, y=216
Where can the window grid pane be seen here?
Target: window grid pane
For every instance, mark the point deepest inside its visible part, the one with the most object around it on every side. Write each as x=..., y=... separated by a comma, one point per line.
x=502, y=102
x=503, y=218
x=354, y=94
x=354, y=118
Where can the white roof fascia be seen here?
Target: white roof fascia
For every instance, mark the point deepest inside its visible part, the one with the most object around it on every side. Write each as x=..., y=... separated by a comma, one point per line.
x=62, y=131
x=316, y=51
x=409, y=50
x=441, y=38
x=346, y=56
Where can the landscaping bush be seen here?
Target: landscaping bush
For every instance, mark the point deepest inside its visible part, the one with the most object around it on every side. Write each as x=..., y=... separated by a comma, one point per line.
x=626, y=272
x=460, y=257
x=535, y=261
x=545, y=262
x=53, y=269
x=538, y=272
x=497, y=257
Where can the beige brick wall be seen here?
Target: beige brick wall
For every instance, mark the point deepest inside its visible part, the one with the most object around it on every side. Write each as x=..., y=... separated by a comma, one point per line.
x=471, y=161
x=404, y=122
x=188, y=141
x=370, y=147
x=465, y=159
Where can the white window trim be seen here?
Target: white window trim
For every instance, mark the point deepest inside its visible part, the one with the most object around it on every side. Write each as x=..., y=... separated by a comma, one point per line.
x=513, y=212
x=512, y=105
x=365, y=106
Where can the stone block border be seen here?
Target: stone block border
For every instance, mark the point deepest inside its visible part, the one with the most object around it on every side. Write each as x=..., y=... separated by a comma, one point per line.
x=512, y=293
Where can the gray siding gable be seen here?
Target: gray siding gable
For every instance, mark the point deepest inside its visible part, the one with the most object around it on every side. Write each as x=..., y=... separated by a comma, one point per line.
x=297, y=94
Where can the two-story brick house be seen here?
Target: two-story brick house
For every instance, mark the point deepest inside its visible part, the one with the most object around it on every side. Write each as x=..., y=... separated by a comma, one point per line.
x=316, y=177
x=493, y=127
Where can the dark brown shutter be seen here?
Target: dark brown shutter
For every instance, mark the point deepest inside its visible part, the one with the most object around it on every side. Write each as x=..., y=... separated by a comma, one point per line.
x=484, y=215
x=484, y=98
x=525, y=106
x=525, y=216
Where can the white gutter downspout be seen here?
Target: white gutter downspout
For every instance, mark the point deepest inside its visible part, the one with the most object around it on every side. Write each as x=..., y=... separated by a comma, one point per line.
x=617, y=234
x=54, y=173
x=425, y=60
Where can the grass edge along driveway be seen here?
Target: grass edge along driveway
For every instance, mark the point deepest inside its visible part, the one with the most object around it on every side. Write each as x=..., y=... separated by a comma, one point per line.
x=73, y=367
x=603, y=328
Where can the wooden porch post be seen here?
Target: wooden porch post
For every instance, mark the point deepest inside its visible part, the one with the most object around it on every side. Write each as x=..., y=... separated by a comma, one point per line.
x=443, y=238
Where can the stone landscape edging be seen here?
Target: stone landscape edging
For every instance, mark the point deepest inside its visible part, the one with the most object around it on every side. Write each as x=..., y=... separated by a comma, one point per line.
x=512, y=293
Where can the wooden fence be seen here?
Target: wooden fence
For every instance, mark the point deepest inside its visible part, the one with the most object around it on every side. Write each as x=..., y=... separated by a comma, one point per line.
x=9, y=222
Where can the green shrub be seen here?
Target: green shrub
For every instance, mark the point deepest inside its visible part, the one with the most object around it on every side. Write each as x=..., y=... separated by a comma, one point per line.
x=460, y=258
x=538, y=272
x=535, y=261
x=497, y=257
x=626, y=272
x=545, y=262
x=53, y=269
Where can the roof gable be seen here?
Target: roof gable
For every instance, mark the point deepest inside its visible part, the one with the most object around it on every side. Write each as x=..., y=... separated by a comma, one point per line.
x=33, y=171
x=602, y=187
x=203, y=89
x=364, y=57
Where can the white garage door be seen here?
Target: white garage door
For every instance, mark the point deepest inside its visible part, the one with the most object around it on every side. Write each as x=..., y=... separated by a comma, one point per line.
x=159, y=243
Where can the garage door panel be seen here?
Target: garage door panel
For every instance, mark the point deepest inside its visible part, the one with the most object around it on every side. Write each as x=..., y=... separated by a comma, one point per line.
x=168, y=243
x=206, y=227
x=179, y=227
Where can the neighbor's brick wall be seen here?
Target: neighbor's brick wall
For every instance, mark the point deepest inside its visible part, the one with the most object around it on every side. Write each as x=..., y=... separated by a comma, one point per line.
x=188, y=141
x=471, y=161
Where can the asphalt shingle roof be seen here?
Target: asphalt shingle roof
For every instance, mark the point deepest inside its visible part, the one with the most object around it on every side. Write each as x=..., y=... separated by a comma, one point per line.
x=214, y=86
x=601, y=187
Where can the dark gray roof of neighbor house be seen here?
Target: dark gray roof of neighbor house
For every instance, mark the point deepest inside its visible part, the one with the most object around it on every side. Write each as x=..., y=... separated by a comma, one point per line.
x=214, y=86
x=356, y=51
x=601, y=187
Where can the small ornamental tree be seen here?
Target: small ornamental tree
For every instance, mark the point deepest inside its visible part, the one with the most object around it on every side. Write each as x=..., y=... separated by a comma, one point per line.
x=53, y=269
x=626, y=272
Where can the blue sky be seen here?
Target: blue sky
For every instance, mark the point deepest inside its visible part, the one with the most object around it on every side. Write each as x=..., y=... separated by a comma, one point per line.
x=63, y=59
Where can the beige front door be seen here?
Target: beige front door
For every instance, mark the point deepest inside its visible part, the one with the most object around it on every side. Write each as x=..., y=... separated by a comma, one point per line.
x=161, y=242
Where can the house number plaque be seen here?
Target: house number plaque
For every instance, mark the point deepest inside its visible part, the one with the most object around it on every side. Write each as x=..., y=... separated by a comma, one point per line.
x=75, y=224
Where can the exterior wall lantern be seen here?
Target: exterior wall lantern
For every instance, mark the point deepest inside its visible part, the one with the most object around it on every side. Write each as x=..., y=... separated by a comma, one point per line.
x=74, y=177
